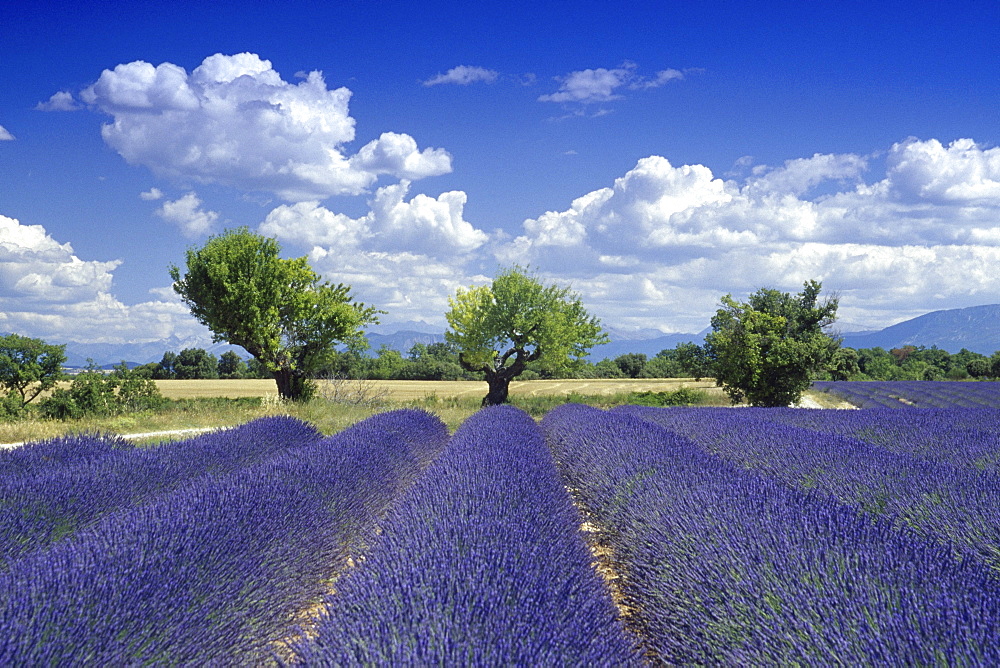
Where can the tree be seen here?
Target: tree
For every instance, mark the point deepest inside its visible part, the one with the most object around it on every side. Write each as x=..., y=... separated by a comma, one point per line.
x=979, y=367
x=94, y=392
x=231, y=365
x=28, y=366
x=195, y=364
x=764, y=350
x=844, y=364
x=136, y=390
x=631, y=364
x=278, y=310
x=694, y=360
x=168, y=368
x=500, y=328
x=436, y=361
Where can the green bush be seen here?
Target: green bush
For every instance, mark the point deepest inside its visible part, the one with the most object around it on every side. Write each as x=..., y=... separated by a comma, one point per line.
x=93, y=393
x=683, y=396
x=11, y=407
x=60, y=406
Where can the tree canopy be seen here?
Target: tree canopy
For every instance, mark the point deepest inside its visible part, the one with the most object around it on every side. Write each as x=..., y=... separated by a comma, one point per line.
x=500, y=328
x=279, y=310
x=29, y=366
x=765, y=350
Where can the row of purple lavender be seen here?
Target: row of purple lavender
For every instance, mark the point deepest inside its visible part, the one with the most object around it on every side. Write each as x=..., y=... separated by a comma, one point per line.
x=213, y=569
x=722, y=565
x=480, y=564
x=954, y=504
x=914, y=393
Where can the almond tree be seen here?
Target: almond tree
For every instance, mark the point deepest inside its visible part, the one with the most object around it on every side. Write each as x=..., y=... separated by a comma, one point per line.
x=500, y=328
x=278, y=310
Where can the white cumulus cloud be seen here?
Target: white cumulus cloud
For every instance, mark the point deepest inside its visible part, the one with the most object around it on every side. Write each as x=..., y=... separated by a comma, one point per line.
x=463, y=75
x=406, y=256
x=676, y=238
x=233, y=120
x=423, y=224
x=5, y=135
x=61, y=101
x=48, y=292
x=187, y=214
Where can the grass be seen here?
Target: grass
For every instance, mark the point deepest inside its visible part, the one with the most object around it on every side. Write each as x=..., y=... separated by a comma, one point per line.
x=218, y=404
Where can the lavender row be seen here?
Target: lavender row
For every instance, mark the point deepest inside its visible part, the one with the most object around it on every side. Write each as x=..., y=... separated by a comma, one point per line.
x=943, y=502
x=965, y=437
x=217, y=572
x=41, y=456
x=42, y=505
x=481, y=563
x=915, y=393
x=723, y=566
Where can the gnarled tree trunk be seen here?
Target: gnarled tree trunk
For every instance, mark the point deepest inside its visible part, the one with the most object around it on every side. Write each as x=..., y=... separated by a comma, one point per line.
x=499, y=384
x=291, y=386
x=499, y=375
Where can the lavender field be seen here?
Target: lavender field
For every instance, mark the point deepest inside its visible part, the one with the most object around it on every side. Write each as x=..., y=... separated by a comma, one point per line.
x=704, y=536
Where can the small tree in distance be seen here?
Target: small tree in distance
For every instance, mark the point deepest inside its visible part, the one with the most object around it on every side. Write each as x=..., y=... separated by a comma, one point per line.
x=231, y=365
x=28, y=366
x=500, y=328
x=765, y=350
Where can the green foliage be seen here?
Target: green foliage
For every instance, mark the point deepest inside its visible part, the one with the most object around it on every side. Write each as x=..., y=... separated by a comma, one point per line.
x=979, y=368
x=94, y=393
x=919, y=363
x=11, y=407
x=683, y=360
x=631, y=364
x=682, y=396
x=231, y=365
x=435, y=361
x=844, y=364
x=764, y=351
x=607, y=368
x=28, y=367
x=195, y=363
x=134, y=390
x=500, y=328
x=168, y=370
x=278, y=310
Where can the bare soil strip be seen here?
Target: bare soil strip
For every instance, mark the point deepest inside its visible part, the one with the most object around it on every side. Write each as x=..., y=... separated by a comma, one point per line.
x=148, y=434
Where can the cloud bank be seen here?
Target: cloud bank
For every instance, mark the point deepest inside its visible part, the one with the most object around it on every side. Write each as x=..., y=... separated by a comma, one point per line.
x=659, y=246
x=405, y=256
x=233, y=120
x=895, y=234
x=47, y=291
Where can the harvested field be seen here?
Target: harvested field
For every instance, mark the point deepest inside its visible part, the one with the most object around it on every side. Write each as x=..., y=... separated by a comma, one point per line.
x=407, y=390
x=231, y=389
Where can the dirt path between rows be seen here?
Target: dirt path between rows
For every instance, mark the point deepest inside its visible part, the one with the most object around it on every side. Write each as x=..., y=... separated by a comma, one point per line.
x=148, y=434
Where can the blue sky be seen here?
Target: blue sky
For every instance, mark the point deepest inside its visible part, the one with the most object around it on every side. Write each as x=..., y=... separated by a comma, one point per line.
x=652, y=157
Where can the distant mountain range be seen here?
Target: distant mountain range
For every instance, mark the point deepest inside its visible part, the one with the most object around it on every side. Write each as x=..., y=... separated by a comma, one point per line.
x=976, y=328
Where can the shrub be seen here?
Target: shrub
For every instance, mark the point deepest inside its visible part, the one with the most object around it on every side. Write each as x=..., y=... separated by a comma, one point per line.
x=683, y=396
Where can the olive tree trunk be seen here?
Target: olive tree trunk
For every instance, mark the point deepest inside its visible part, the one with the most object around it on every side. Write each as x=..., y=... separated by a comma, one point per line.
x=292, y=386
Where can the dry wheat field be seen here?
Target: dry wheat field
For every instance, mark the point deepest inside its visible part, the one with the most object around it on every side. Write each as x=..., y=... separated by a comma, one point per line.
x=408, y=390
